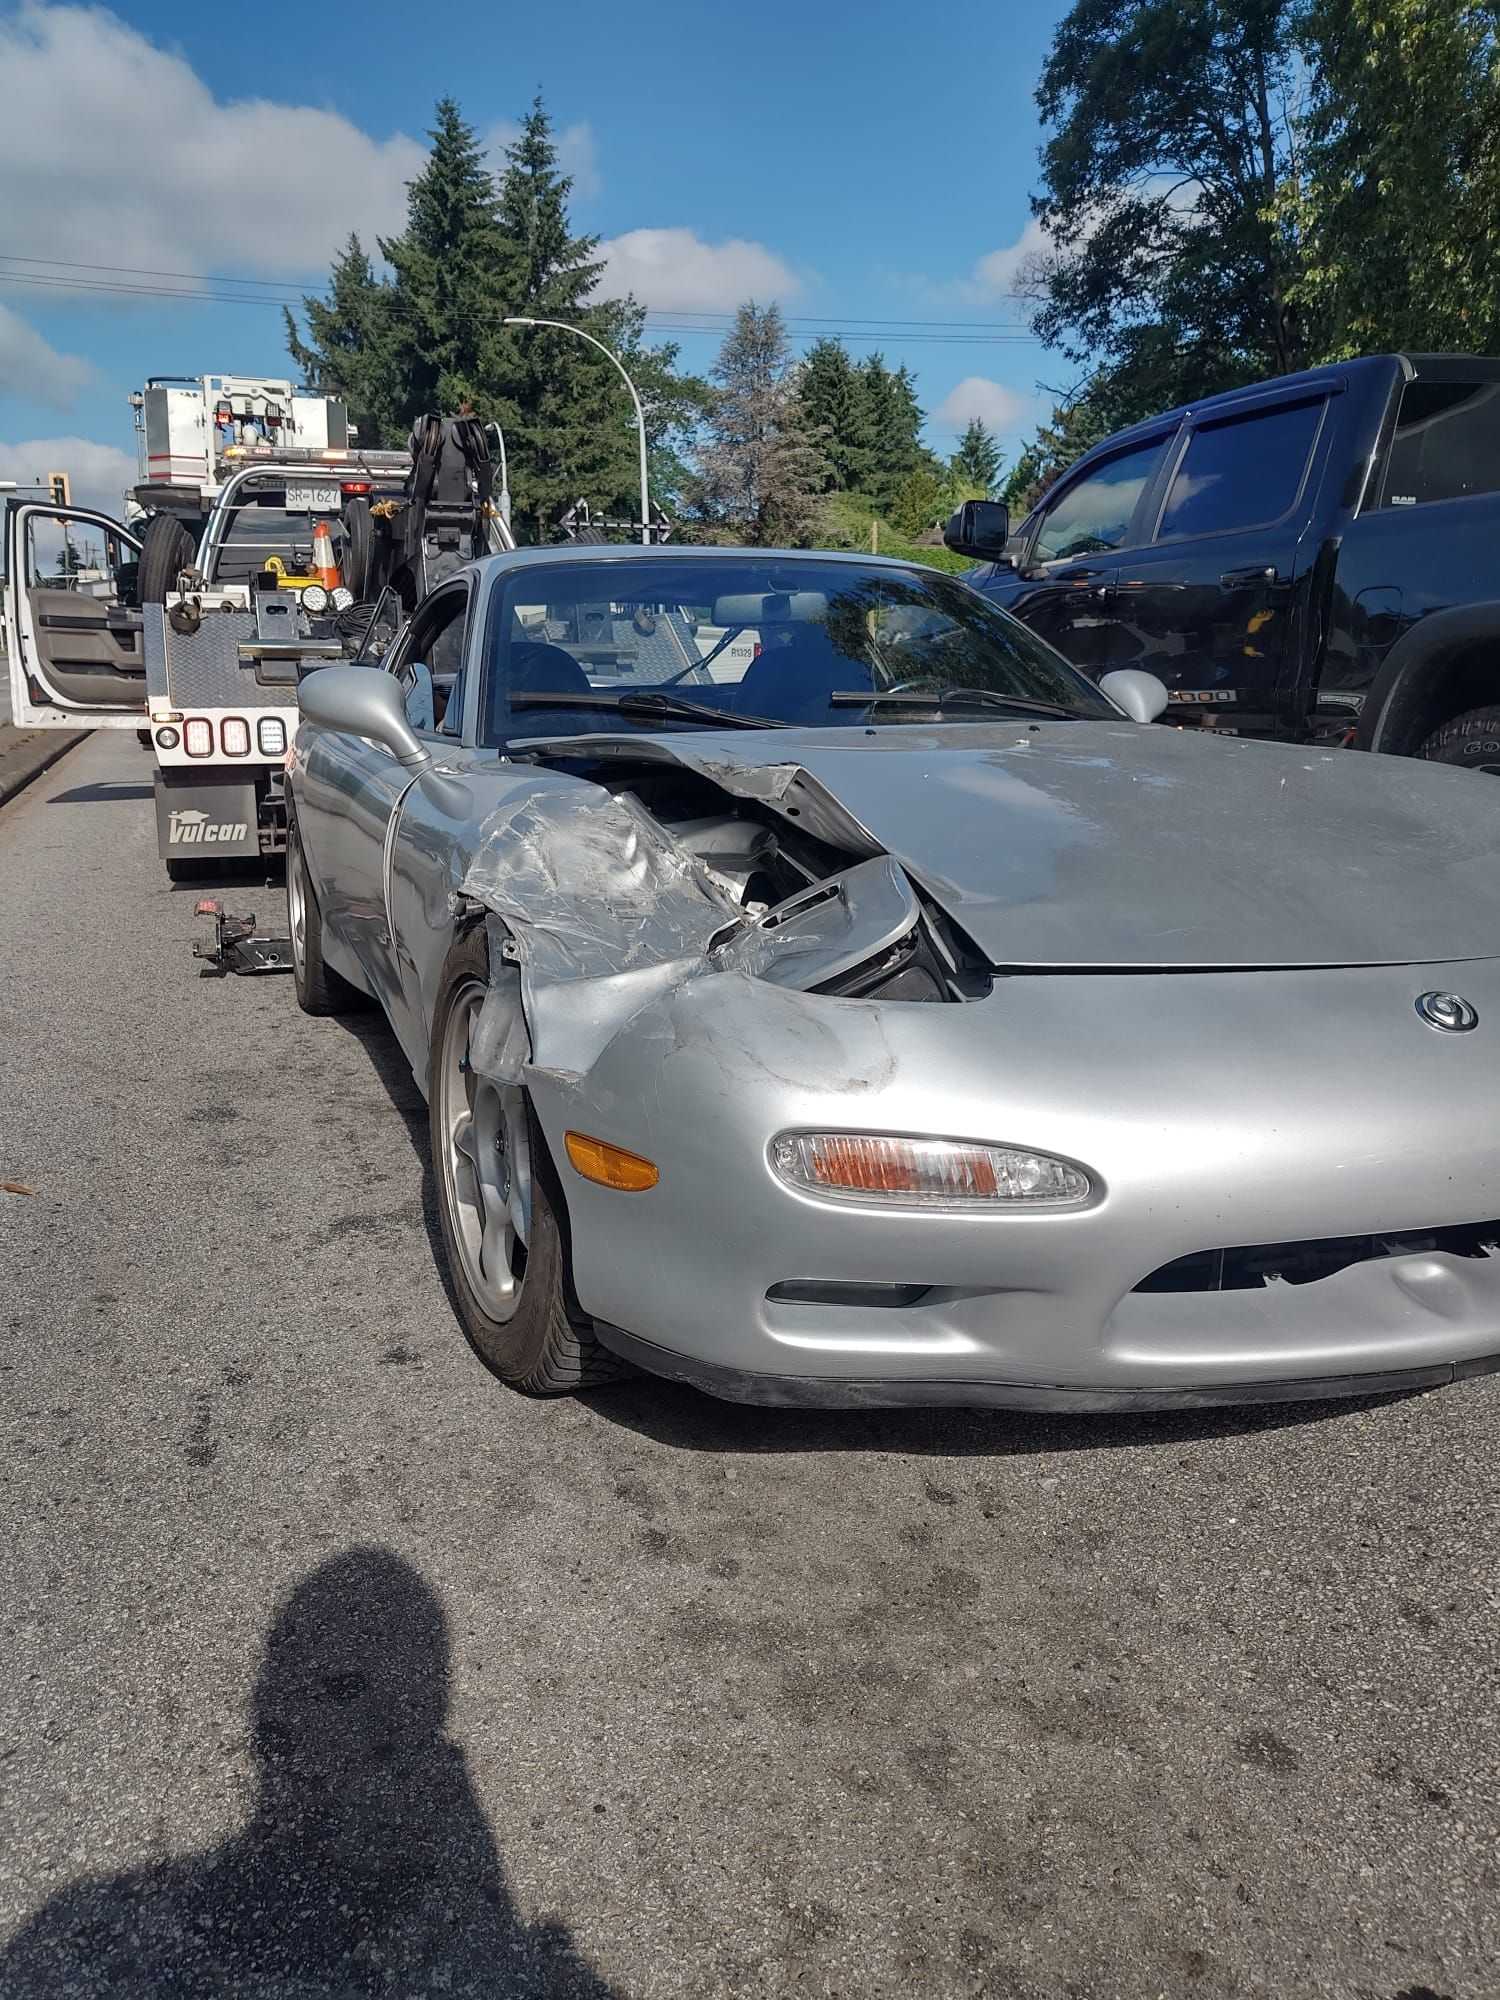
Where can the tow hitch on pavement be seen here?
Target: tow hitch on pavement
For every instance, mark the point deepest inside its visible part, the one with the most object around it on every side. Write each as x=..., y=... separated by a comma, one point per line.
x=236, y=947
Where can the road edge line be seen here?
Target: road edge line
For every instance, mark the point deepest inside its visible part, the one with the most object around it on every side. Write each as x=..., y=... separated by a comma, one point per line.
x=32, y=763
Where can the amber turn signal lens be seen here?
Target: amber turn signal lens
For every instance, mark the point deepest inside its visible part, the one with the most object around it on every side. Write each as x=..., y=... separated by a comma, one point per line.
x=610, y=1166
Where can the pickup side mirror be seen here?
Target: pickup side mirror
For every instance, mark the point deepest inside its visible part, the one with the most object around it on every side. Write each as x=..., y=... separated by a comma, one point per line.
x=363, y=701
x=1141, y=695
x=978, y=528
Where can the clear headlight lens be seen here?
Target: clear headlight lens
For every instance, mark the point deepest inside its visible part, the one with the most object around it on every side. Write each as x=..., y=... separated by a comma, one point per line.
x=926, y=1173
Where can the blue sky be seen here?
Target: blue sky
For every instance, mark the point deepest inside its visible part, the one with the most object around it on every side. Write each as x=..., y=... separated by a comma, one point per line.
x=862, y=165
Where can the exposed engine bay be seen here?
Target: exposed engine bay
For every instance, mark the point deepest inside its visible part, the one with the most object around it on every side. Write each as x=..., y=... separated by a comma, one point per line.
x=884, y=939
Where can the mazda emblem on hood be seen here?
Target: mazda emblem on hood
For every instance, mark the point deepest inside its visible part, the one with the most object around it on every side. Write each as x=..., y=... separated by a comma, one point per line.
x=1448, y=1011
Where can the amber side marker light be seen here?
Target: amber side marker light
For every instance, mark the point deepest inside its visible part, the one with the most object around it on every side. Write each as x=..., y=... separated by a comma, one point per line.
x=610, y=1166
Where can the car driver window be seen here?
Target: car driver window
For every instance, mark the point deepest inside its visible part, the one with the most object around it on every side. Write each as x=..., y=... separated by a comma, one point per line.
x=1093, y=516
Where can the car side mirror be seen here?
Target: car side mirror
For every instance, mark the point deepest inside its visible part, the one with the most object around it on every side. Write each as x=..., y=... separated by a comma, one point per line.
x=978, y=528
x=1141, y=695
x=363, y=701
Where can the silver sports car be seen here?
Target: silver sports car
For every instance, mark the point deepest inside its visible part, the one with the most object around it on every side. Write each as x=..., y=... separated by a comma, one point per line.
x=823, y=993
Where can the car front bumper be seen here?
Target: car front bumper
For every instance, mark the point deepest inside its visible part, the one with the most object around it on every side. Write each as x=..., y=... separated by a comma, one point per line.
x=1212, y=1109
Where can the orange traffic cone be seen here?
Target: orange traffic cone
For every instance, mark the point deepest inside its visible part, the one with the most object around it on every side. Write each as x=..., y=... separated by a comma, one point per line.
x=323, y=562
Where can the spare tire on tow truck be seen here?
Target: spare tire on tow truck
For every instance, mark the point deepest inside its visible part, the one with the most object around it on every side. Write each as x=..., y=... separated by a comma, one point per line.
x=167, y=548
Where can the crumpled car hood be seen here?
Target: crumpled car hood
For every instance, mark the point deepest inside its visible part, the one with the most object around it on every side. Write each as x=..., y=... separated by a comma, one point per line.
x=1111, y=844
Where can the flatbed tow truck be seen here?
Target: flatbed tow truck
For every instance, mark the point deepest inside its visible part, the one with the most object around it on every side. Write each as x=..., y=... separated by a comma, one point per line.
x=251, y=559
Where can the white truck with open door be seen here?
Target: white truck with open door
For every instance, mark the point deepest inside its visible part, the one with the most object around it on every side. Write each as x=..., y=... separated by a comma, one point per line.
x=206, y=662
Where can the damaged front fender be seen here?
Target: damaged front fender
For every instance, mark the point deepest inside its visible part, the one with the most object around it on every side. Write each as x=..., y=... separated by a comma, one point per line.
x=595, y=914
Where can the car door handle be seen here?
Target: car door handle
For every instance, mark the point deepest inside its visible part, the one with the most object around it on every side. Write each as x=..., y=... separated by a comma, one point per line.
x=1236, y=579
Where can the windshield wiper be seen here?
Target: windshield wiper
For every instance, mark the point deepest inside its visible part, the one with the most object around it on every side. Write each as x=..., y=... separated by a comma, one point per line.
x=648, y=704
x=950, y=697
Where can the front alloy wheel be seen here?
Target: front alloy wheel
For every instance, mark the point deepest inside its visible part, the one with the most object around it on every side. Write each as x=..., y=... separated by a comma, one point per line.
x=499, y=1203
x=486, y=1156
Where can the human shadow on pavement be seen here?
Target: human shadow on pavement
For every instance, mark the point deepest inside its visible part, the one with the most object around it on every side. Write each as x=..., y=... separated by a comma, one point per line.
x=367, y=1865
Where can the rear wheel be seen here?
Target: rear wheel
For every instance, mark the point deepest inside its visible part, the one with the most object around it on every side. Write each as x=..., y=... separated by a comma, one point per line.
x=167, y=548
x=501, y=1209
x=1471, y=741
x=320, y=990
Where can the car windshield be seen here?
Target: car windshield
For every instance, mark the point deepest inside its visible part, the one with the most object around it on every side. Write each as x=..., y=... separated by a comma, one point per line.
x=744, y=641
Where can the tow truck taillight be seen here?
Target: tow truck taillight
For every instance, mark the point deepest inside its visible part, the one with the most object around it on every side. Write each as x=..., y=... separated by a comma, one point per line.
x=357, y=486
x=198, y=736
x=234, y=736
x=270, y=734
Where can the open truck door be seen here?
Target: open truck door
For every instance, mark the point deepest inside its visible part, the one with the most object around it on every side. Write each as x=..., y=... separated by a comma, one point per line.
x=72, y=619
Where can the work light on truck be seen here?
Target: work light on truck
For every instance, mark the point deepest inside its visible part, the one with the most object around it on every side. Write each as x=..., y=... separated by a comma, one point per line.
x=234, y=736
x=270, y=734
x=198, y=736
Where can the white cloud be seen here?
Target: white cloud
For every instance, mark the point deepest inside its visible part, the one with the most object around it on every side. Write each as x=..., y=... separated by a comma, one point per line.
x=577, y=152
x=999, y=409
x=674, y=270
x=114, y=150
x=995, y=274
x=100, y=475
x=30, y=368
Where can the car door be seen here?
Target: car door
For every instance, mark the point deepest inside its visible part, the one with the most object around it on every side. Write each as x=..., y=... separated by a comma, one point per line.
x=1210, y=604
x=1064, y=583
x=349, y=790
x=72, y=619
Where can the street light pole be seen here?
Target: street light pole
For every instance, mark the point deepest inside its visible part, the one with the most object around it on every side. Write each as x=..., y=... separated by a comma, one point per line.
x=564, y=326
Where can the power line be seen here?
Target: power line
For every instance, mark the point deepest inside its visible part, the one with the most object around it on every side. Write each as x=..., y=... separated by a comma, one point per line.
x=202, y=288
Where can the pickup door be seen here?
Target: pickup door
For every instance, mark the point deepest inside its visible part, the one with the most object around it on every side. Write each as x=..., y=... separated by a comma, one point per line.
x=1209, y=604
x=1072, y=546
x=72, y=619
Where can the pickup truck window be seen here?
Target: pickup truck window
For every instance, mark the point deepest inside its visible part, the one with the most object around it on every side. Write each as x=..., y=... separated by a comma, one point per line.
x=1095, y=513
x=1243, y=473
x=1447, y=443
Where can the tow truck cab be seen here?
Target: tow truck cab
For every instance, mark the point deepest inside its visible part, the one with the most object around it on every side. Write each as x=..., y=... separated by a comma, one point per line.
x=203, y=657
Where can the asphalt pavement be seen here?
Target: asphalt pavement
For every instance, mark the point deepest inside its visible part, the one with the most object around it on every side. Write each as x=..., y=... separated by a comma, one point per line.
x=330, y=1666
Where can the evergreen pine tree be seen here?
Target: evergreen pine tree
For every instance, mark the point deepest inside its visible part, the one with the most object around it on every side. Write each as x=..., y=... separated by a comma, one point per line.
x=832, y=396
x=450, y=265
x=895, y=422
x=977, y=460
x=761, y=469
x=347, y=352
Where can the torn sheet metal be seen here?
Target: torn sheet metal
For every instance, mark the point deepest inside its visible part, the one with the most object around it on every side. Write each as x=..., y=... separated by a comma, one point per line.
x=593, y=885
x=596, y=913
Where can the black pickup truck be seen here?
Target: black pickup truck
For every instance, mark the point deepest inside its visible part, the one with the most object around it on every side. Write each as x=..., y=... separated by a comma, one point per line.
x=1316, y=557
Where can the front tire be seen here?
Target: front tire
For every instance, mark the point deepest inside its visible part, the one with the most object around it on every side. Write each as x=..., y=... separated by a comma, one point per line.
x=500, y=1205
x=320, y=990
x=1471, y=740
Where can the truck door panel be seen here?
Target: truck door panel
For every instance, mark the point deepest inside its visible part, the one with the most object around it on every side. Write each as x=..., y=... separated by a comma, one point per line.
x=1069, y=569
x=1211, y=606
x=73, y=620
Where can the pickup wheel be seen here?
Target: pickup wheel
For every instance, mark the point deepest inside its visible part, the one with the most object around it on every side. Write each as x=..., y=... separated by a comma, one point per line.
x=1471, y=740
x=501, y=1207
x=320, y=990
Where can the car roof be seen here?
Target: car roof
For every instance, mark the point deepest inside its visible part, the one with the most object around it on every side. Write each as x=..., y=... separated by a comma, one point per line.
x=578, y=552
